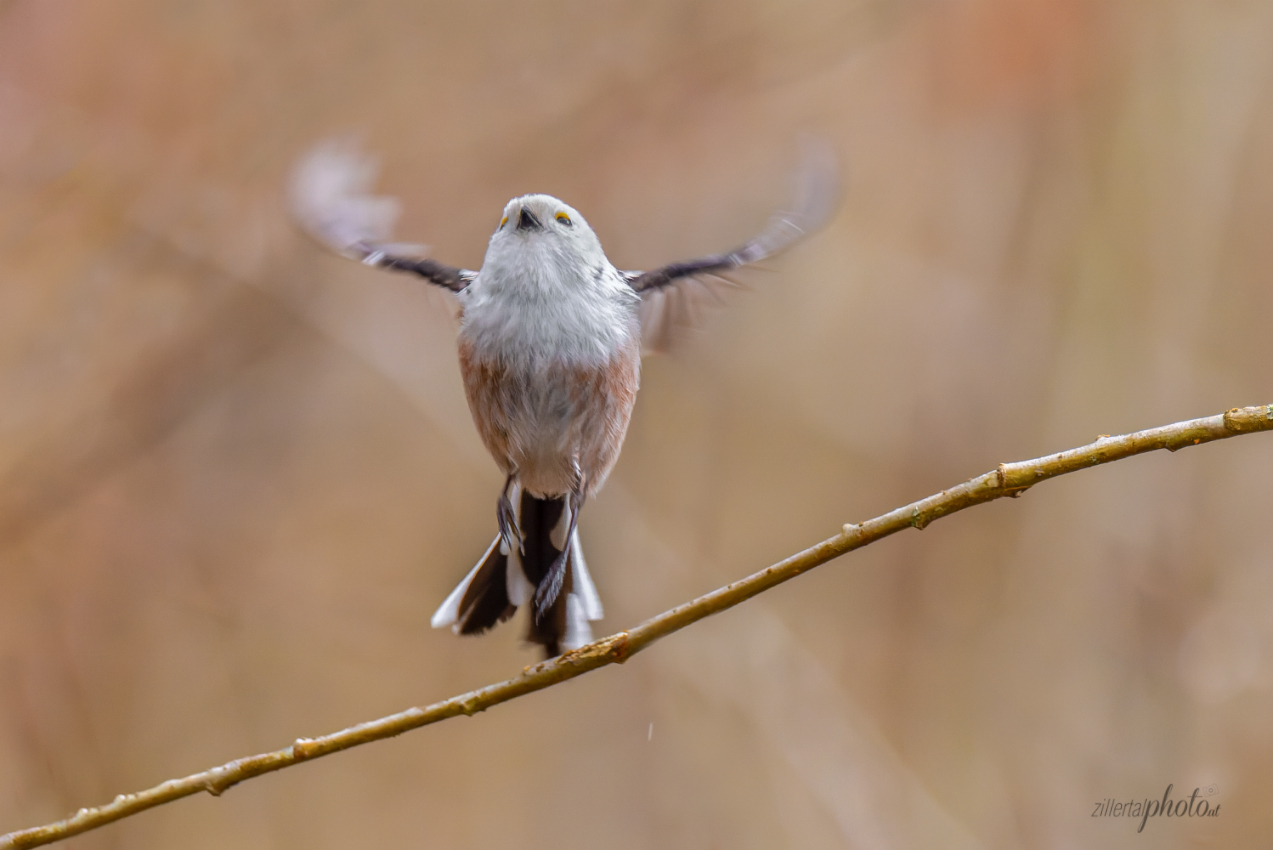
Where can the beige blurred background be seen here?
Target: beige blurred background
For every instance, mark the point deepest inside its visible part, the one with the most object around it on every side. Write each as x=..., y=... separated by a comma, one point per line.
x=237, y=475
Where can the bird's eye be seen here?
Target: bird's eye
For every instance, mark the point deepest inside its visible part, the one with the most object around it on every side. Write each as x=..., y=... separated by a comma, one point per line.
x=503, y=221
x=564, y=219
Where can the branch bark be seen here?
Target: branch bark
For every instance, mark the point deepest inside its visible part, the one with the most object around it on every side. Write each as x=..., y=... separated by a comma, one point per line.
x=1009, y=479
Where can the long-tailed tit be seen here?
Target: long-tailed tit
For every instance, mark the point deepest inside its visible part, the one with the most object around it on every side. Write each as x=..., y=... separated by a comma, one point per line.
x=550, y=343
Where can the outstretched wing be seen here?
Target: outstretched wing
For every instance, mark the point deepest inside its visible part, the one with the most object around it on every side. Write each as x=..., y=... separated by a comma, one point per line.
x=330, y=198
x=673, y=296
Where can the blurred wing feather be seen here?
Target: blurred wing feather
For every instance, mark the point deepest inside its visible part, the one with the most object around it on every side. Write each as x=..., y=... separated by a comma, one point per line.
x=330, y=199
x=674, y=296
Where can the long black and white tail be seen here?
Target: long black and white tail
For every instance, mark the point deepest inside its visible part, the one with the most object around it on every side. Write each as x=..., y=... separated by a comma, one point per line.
x=505, y=579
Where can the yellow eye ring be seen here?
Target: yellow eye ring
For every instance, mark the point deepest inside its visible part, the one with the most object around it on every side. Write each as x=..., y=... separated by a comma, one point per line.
x=503, y=221
x=564, y=219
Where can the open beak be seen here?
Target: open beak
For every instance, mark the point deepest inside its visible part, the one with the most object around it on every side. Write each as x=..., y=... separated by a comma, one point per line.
x=526, y=220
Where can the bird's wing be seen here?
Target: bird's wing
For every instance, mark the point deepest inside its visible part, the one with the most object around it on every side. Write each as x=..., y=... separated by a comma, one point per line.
x=674, y=296
x=330, y=198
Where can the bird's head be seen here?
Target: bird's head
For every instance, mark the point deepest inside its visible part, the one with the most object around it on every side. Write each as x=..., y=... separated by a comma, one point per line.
x=542, y=229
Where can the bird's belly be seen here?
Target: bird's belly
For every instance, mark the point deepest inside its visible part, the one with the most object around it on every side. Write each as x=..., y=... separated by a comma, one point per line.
x=557, y=423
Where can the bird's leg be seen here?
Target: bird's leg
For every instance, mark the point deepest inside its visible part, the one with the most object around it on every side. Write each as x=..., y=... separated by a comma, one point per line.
x=509, y=529
x=550, y=586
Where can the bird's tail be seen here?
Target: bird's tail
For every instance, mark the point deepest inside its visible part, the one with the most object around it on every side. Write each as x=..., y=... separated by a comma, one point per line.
x=505, y=579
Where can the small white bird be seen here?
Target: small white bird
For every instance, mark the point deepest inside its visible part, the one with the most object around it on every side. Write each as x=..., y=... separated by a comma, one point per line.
x=550, y=343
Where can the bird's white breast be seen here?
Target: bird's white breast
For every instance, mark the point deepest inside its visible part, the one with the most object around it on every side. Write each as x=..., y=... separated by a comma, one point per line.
x=534, y=303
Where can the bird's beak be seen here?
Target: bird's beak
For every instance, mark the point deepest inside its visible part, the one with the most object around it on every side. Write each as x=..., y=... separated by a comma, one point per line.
x=526, y=220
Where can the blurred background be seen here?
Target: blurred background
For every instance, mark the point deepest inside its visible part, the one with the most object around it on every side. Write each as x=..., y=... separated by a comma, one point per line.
x=237, y=474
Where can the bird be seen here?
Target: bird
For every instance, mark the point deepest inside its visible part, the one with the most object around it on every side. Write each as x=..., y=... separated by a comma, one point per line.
x=550, y=341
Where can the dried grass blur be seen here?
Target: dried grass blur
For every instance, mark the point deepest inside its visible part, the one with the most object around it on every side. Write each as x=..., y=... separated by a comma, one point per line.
x=236, y=475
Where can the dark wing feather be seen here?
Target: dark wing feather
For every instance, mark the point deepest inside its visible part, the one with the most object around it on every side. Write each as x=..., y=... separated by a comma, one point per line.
x=383, y=256
x=330, y=199
x=673, y=296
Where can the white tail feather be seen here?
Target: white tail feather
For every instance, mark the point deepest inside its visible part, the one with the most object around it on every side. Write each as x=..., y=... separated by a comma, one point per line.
x=583, y=586
x=582, y=604
x=449, y=611
x=578, y=632
x=520, y=590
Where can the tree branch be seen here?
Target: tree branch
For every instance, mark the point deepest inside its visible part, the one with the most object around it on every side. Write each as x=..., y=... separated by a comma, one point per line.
x=1010, y=479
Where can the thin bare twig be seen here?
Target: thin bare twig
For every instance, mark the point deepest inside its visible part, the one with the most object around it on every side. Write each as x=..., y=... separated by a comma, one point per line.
x=1010, y=479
